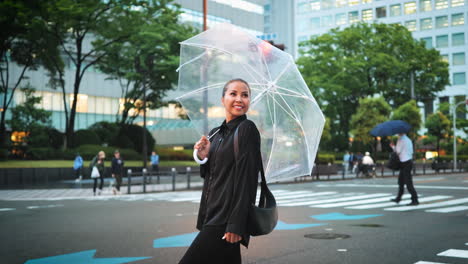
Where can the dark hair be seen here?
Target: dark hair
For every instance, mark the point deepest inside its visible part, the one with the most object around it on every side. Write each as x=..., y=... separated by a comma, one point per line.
x=235, y=80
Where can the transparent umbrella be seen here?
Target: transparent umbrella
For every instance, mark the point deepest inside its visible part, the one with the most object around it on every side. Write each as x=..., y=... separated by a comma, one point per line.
x=285, y=112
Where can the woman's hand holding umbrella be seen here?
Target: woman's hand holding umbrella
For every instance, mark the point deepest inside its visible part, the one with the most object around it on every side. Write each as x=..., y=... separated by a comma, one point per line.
x=202, y=148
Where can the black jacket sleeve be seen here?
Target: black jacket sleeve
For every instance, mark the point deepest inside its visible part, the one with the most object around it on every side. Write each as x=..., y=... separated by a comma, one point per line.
x=205, y=168
x=246, y=178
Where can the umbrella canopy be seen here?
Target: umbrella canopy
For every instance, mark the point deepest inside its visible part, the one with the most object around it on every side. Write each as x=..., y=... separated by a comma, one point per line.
x=390, y=128
x=285, y=112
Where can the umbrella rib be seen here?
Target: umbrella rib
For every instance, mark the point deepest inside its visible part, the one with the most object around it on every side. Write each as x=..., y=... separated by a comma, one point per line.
x=208, y=87
x=190, y=61
x=227, y=52
x=273, y=141
x=282, y=72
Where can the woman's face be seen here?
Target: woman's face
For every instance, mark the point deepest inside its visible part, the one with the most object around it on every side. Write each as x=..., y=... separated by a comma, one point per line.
x=236, y=100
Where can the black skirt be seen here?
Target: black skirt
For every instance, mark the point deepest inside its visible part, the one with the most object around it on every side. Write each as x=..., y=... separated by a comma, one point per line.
x=209, y=247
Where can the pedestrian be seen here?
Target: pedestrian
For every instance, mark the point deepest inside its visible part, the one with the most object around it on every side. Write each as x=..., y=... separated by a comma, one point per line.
x=117, y=171
x=346, y=157
x=78, y=167
x=366, y=164
x=98, y=162
x=404, y=150
x=230, y=183
x=155, y=162
x=351, y=161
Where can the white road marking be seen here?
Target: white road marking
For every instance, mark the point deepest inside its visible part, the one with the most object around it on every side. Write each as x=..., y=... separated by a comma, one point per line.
x=428, y=262
x=448, y=209
x=392, y=186
x=424, y=206
x=389, y=204
x=375, y=200
x=337, y=199
x=44, y=206
x=342, y=250
x=7, y=209
x=308, y=194
x=456, y=253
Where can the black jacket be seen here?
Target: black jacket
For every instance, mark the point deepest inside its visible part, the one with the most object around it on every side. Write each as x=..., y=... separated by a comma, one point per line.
x=117, y=166
x=230, y=186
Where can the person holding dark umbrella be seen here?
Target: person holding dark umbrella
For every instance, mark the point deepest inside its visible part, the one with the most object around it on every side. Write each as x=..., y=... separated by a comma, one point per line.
x=404, y=150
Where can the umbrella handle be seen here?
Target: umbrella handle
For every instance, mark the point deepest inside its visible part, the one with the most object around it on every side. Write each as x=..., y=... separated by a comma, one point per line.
x=195, y=157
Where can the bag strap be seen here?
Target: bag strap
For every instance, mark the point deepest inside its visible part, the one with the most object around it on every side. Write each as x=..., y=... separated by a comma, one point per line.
x=263, y=184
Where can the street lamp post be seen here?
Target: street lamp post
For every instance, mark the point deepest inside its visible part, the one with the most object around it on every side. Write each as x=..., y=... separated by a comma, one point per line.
x=454, y=113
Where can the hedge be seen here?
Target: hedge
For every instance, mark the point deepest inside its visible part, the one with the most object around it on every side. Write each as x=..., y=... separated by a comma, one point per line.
x=87, y=152
x=449, y=158
x=171, y=154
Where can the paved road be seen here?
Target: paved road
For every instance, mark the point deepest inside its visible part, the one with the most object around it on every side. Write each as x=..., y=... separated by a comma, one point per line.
x=355, y=217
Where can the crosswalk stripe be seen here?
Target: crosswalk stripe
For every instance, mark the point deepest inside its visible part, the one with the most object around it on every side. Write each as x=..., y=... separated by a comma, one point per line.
x=428, y=262
x=303, y=196
x=337, y=199
x=293, y=202
x=424, y=206
x=375, y=200
x=456, y=253
x=390, y=204
x=448, y=209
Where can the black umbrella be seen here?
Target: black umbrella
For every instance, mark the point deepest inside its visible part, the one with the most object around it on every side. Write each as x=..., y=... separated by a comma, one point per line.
x=390, y=128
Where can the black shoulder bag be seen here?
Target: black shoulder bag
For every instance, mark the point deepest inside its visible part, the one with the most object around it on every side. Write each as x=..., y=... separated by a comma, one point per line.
x=262, y=219
x=394, y=161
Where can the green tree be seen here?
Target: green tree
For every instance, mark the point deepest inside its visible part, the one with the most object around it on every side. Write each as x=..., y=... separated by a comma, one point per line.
x=27, y=118
x=438, y=125
x=410, y=113
x=148, y=59
x=23, y=47
x=84, y=29
x=371, y=111
x=344, y=65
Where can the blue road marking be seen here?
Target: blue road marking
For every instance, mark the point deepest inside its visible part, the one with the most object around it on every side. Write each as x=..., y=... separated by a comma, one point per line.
x=284, y=226
x=83, y=257
x=340, y=216
x=183, y=240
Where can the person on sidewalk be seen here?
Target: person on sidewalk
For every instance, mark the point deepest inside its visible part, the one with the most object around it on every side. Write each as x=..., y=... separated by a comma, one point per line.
x=155, y=162
x=404, y=150
x=78, y=167
x=346, y=158
x=117, y=171
x=98, y=162
x=366, y=164
x=230, y=184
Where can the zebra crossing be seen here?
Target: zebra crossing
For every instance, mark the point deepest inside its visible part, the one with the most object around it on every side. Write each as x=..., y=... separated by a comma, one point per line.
x=459, y=254
x=347, y=200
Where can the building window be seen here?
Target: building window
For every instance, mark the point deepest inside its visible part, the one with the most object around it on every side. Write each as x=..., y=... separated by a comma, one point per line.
x=308, y=6
x=458, y=39
x=458, y=19
x=327, y=21
x=410, y=8
x=428, y=107
x=441, y=4
x=441, y=22
x=411, y=25
x=367, y=14
x=366, y=1
x=303, y=25
x=340, y=19
x=315, y=5
x=341, y=3
x=458, y=3
x=353, y=2
x=445, y=58
x=442, y=41
x=427, y=42
x=425, y=5
x=458, y=58
x=426, y=23
x=315, y=23
x=81, y=104
x=395, y=10
x=353, y=17
x=459, y=78
x=381, y=12
x=327, y=4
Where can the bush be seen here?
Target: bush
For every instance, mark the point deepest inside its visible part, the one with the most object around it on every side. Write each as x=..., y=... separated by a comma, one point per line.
x=135, y=134
x=106, y=131
x=88, y=152
x=325, y=158
x=171, y=154
x=449, y=158
x=123, y=141
x=85, y=137
x=43, y=153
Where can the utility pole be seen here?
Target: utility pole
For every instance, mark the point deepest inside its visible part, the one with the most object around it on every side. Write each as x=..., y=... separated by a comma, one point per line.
x=203, y=76
x=454, y=113
x=412, y=85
